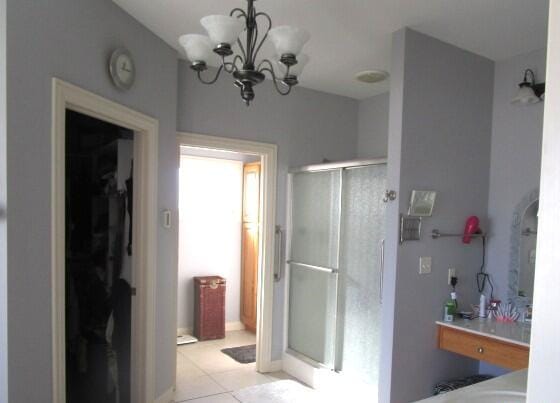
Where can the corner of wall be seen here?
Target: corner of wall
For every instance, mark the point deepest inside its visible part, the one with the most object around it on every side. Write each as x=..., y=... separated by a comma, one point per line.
x=3, y=230
x=438, y=141
x=396, y=100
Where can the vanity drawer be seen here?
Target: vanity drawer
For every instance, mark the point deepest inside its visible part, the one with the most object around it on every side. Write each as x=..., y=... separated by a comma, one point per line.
x=493, y=351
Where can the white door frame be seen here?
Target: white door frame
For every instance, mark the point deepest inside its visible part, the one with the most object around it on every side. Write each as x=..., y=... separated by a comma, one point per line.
x=268, y=154
x=544, y=359
x=69, y=97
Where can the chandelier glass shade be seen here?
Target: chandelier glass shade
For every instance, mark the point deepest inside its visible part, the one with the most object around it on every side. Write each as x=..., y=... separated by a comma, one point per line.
x=233, y=45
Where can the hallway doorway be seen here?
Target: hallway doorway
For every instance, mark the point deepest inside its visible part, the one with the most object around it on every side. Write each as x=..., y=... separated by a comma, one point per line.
x=97, y=341
x=227, y=248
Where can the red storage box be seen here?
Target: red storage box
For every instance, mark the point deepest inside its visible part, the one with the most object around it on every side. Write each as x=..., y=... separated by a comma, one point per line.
x=210, y=308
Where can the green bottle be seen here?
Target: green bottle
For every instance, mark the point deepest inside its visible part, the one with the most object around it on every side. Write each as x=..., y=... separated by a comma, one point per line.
x=450, y=308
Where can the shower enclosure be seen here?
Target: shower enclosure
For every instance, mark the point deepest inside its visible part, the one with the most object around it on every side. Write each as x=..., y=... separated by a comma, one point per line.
x=336, y=241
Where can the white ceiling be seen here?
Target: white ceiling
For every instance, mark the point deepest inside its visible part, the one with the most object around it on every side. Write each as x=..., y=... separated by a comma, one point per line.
x=348, y=36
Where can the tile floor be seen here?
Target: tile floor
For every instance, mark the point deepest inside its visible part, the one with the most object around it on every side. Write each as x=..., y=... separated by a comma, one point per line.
x=206, y=375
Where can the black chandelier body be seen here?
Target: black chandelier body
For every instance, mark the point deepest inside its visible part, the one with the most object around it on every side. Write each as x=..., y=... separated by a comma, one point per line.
x=243, y=66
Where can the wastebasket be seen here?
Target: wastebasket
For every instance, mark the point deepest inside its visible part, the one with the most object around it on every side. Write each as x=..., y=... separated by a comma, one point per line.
x=210, y=308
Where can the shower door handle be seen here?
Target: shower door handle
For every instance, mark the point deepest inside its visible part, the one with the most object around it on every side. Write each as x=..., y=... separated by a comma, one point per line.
x=323, y=269
x=278, y=265
x=381, y=269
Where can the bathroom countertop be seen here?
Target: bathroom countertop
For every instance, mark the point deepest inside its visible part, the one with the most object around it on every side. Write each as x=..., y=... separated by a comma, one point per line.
x=512, y=382
x=516, y=332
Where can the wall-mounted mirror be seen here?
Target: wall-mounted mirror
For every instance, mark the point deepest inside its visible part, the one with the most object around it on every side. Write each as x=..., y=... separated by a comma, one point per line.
x=523, y=250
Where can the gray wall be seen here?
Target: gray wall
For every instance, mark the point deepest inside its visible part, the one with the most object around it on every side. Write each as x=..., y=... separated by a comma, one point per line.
x=3, y=224
x=396, y=103
x=440, y=140
x=210, y=219
x=72, y=40
x=307, y=126
x=373, y=126
x=515, y=159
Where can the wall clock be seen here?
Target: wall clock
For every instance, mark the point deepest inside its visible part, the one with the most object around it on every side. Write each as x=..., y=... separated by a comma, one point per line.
x=121, y=69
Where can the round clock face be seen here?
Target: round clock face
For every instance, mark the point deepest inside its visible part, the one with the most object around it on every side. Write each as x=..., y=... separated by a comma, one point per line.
x=121, y=67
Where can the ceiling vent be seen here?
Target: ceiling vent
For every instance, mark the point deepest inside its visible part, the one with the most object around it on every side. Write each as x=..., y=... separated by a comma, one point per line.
x=372, y=76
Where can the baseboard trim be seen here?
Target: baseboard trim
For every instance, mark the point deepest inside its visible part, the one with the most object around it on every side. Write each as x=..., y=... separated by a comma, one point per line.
x=167, y=397
x=230, y=326
x=300, y=370
x=184, y=330
x=275, y=366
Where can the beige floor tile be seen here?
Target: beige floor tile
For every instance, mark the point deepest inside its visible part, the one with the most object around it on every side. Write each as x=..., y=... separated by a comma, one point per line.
x=279, y=376
x=192, y=388
x=186, y=369
x=239, y=379
x=236, y=338
x=213, y=360
x=221, y=398
x=186, y=348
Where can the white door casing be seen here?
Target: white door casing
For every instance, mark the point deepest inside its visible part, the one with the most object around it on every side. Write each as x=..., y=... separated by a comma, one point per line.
x=65, y=97
x=268, y=154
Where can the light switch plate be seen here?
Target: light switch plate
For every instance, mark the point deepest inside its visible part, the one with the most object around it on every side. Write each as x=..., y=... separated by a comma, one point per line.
x=425, y=265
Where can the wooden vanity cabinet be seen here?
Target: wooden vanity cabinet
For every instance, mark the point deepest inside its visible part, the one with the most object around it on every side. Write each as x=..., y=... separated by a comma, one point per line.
x=494, y=351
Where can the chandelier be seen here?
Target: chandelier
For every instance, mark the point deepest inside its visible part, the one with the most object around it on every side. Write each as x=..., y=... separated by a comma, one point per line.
x=242, y=27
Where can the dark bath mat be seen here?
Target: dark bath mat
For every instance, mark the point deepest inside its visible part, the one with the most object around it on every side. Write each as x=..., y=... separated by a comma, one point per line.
x=243, y=354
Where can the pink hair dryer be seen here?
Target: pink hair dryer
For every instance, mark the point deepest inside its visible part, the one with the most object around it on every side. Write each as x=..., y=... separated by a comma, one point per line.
x=471, y=228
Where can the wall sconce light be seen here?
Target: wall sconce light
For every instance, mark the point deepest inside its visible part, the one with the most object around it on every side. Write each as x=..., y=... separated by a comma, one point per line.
x=529, y=91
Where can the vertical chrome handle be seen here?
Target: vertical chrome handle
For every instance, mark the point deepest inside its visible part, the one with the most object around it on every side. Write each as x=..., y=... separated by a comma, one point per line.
x=279, y=246
x=382, y=269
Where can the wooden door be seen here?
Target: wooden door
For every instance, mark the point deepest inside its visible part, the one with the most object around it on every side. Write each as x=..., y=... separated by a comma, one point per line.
x=250, y=245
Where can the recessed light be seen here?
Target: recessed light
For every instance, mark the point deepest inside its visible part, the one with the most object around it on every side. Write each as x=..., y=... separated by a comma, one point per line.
x=371, y=76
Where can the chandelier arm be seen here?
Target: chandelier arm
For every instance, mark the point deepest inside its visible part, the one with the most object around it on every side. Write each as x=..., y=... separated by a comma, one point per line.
x=265, y=35
x=275, y=81
x=240, y=11
x=199, y=74
x=242, y=14
x=230, y=67
x=248, y=41
x=240, y=44
x=263, y=61
x=255, y=40
x=251, y=35
x=254, y=43
x=270, y=68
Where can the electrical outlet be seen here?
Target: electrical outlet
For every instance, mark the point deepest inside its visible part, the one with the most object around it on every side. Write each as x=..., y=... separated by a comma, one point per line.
x=451, y=273
x=425, y=265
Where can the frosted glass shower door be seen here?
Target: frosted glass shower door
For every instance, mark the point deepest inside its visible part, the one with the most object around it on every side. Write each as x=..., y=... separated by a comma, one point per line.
x=314, y=265
x=360, y=276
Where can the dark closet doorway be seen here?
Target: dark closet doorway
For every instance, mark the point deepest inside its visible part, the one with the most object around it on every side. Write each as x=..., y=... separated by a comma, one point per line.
x=99, y=166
